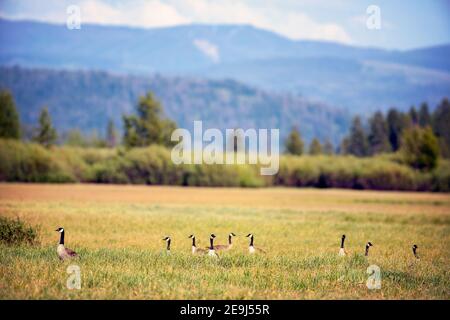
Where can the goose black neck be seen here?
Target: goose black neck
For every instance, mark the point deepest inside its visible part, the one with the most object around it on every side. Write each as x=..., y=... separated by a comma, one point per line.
x=342, y=242
x=414, y=250
x=61, y=238
x=168, y=245
x=193, y=241
x=367, y=249
x=229, y=239
x=211, y=241
x=251, y=241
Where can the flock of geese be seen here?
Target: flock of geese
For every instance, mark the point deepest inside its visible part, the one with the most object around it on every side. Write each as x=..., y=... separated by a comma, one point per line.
x=343, y=252
x=66, y=253
x=211, y=250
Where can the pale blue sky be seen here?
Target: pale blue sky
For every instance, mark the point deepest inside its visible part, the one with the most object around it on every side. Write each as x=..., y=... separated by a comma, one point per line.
x=404, y=24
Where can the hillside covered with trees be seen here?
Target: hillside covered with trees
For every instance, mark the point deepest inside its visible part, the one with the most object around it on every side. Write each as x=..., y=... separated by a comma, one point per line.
x=87, y=100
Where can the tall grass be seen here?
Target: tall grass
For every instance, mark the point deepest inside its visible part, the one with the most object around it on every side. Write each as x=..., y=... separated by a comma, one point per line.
x=15, y=231
x=118, y=238
x=28, y=162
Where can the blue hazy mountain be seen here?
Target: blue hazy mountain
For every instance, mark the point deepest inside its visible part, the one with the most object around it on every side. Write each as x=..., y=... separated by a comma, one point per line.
x=355, y=78
x=358, y=79
x=226, y=75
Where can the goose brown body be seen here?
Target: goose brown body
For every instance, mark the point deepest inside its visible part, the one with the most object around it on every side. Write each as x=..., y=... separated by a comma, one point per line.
x=226, y=247
x=195, y=250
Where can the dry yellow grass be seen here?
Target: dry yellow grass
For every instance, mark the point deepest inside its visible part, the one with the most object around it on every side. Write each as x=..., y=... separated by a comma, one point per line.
x=118, y=229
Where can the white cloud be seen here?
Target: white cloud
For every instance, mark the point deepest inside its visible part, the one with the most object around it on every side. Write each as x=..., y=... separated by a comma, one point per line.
x=53, y=11
x=208, y=49
x=136, y=13
x=292, y=23
x=289, y=23
x=152, y=13
x=297, y=25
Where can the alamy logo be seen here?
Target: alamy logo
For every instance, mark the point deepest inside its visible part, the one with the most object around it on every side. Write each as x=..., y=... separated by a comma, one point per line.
x=374, y=280
x=74, y=280
x=74, y=17
x=261, y=149
x=373, y=21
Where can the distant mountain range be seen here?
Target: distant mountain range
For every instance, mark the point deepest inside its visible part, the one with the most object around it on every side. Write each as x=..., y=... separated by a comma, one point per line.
x=357, y=79
x=87, y=99
x=226, y=75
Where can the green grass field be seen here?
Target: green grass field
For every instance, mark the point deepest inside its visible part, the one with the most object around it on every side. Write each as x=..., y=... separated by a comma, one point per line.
x=117, y=231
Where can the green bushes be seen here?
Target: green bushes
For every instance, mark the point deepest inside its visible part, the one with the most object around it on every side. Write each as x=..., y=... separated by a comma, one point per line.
x=440, y=178
x=420, y=148
x=379, y=175
x=27, y=162
x=16, y=232
x=222, y=176
x=150, y=165
x=345, y=172
x=31, y=163
x=109, y=171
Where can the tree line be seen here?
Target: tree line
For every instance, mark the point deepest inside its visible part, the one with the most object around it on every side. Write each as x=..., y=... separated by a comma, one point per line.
x=419, y=135
x=411, y=163
x=148, y=126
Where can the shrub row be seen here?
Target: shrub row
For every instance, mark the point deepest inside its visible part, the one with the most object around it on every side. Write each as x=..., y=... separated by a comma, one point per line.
x=27, y=162
x=15, y=231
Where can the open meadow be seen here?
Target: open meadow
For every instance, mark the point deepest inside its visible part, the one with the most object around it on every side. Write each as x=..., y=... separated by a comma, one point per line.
x=118, y=229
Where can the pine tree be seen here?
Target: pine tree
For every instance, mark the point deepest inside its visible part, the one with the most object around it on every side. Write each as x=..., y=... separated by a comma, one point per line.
x=397, y=122
x=149, y=125
x=9, y=118
x=379, y=134
x=441, y=126
x=46, y=133
x=414, y=115
x=315, y=147
x=424, y=115
x=328, y=148
x=358, y=144
x=294, y=142
x=393, y=127
x=344, y=147
x=111, y=134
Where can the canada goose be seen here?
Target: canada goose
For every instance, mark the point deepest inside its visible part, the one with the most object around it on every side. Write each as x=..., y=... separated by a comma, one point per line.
x=251, y=247
x=212, y=251
x=63, y=252
x=168, y=240
x=368, y=245
x=227, y=246
x=342, y=251
x=196, y=250
x=414, y=249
